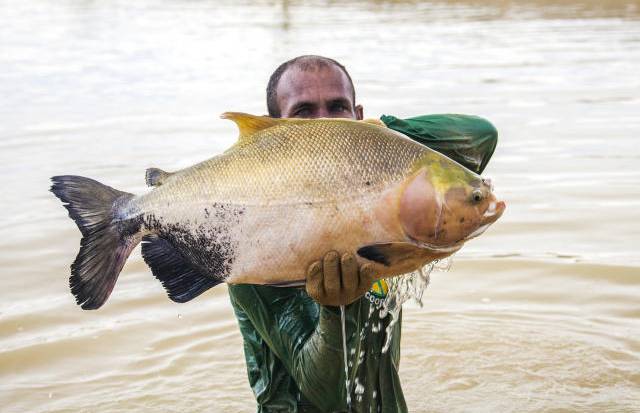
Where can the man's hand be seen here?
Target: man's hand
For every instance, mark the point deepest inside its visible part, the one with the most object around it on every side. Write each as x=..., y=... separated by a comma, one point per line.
x=337, y=280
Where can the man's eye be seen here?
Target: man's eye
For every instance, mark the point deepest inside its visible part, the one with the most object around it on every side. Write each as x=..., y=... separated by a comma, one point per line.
x=302, y=112
x=338, y=108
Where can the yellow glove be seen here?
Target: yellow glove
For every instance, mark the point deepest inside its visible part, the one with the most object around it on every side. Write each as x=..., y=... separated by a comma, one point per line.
x=337, y=280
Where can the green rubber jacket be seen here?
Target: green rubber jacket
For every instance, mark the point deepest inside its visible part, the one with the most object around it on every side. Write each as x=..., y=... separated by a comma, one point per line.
x=293, y=345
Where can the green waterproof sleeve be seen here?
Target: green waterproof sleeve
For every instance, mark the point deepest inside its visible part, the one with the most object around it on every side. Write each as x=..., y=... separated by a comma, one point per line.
x=469, y=140
x=304, y=336
x=294, y=354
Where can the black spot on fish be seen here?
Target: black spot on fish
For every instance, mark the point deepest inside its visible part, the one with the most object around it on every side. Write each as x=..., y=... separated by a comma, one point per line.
x=367, y=183
x=130, y=227
x=209, y=246
x=461, y=220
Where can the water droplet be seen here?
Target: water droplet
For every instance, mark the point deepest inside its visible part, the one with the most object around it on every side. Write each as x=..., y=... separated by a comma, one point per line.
x=405, y=287
x=376, y=327
x=359, y=390
x=344, y=352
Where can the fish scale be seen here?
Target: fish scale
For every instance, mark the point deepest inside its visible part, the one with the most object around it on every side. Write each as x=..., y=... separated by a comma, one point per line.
x=291, y=165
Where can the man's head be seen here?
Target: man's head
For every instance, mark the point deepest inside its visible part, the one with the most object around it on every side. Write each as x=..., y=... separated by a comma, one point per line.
x=312, y=87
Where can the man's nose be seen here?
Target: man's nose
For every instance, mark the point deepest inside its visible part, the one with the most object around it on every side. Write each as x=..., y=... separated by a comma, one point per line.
x=322, y=113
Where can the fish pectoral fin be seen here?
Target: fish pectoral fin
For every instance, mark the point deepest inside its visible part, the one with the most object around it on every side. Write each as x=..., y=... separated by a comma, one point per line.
x=389, y=253
x=156, y=176
x=250, y=124
x=178, y=277
x=375, y=121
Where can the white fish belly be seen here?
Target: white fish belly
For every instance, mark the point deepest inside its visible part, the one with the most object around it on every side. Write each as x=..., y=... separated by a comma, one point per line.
x=272, y=243
x=276, y=244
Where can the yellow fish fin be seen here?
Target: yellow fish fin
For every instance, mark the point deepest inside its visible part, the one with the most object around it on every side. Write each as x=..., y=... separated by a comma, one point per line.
x=250, y=124
x=376, y=122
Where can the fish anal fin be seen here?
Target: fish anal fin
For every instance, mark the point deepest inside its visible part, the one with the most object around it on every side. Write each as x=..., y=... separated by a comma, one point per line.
x=156, y=176
x=180, y=279
x=250, y=124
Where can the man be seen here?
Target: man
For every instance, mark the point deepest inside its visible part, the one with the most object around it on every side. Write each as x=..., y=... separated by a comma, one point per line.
x=293, y=337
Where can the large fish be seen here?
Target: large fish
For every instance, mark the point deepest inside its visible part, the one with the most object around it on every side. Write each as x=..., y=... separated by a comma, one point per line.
x=286, y=193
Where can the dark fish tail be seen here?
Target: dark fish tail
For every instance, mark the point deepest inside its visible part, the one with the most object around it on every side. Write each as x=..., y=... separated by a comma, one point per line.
x=106, y=242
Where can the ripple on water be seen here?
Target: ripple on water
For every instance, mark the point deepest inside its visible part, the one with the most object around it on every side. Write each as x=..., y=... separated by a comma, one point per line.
x=533, y=317
x=466, y=361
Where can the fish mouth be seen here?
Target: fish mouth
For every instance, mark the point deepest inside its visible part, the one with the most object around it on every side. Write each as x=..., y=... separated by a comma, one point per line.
x=494, y=212
x=490, y=216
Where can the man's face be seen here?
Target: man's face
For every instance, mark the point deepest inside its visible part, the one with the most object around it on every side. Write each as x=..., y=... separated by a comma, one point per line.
x=319, y=92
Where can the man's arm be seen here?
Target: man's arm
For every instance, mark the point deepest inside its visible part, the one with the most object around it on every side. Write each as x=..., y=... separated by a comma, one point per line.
x=469, y=140
x=304, y=336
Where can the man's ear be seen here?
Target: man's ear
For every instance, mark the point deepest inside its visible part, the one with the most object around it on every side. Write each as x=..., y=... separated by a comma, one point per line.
x=359, y=112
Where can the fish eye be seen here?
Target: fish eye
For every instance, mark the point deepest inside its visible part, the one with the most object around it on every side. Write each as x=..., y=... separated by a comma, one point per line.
x=477, y=196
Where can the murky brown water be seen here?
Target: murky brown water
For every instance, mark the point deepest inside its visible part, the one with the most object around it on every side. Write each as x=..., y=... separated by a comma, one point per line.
x=542, y=313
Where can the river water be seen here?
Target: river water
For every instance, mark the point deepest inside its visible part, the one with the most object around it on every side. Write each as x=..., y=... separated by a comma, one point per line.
x=541, y=313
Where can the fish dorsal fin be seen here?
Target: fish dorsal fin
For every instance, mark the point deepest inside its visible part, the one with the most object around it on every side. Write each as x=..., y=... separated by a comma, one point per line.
x=376, y=122
x=250, y=124
x=155, y=176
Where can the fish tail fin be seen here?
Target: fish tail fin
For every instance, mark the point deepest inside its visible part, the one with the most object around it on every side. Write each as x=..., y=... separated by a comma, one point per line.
x=106, y=241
